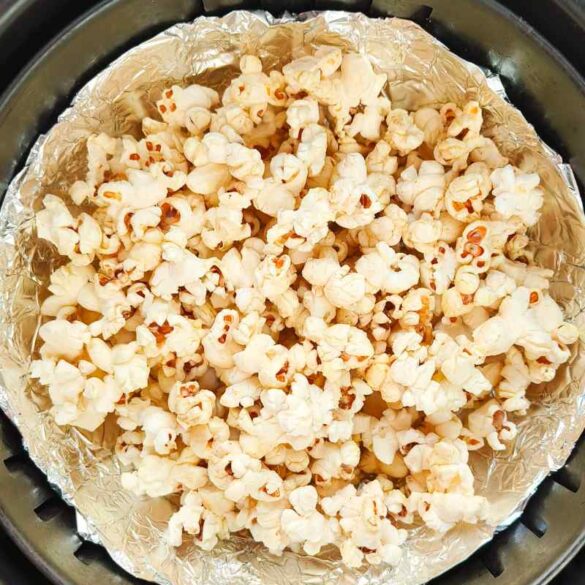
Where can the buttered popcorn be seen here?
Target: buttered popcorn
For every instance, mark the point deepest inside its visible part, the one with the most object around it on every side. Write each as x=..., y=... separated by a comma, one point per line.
x=303, y=306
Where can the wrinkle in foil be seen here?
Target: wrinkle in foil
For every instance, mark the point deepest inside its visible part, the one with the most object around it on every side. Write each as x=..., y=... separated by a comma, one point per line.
x=421, y=71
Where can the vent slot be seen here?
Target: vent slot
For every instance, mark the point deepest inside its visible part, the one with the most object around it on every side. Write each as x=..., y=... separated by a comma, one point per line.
x=50, y=508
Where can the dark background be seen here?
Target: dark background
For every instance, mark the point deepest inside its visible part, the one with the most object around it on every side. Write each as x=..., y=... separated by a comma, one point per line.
x=27, y=25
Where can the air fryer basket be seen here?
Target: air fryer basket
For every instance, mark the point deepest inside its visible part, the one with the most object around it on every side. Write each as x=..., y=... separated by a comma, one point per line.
x=538, y=80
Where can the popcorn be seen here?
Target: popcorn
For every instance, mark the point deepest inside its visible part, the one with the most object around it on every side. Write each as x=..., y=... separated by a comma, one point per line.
x=437, y=271
x=67, y=282
x=465, y=194
x=130, y=413
x=196, y=517
x=334, y=460
x=459, y=369
x=490, y=422
x=159, y=476
x=204, y=440
x=237, y=267
x=208, y=179
x=253, y=90
x=302, y=414
x=128, y=367
x=224, y=225
x=305, y=525
x=245, y=164
x=177, y=103
x=380, y=160
x=356, y=85
x=360, y=83
x=443, y=511
x=387, y=228
x=455, y=304
x=63, y=339
x=306, y=226
x=290, y=171
x=469, y=120
x=160, y=430
x=274, y=275
x=352, y=198
x=340, y=347
x=474, y=245
x=289, y=175
x=403, y=134
x=183, y=213
x=128, y=447
x=451, y=228
x=265, y=358
x=180, y=269
x=174, y=334
x=524, y=275
x=76, y=399
x=430, y=122
x=302, y=307
x=383, y=440
x=300, y=114
x=243, y=393
x=79, y=239
x=218, y=344
x=446, y=462
x=267, y=527
x=368, y=123
x=388, y=271
x=493, y=289
x=362, y=517
x=517, y=194
x=312, y=148
x=467, y=280
x=422, y=189
x=422, y=233
x=191, y=405
x=489, y=154
x=525, y=319
x=454, y=152
x=341, y=288
x=345, y=289
x=296, y=461
x=100, y=149
x=260, y=484
x=142, y=189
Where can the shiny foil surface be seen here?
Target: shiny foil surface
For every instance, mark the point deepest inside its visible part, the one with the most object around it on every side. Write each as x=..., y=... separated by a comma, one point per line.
x=421, y=71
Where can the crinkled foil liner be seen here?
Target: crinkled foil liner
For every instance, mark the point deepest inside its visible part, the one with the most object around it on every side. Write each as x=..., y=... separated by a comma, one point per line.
x=421, y=71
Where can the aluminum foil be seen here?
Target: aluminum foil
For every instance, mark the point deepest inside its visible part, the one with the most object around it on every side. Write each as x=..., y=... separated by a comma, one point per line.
x=421, y=71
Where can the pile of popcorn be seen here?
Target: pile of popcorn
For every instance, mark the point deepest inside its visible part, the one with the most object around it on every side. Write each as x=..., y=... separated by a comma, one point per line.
x=302, y=306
